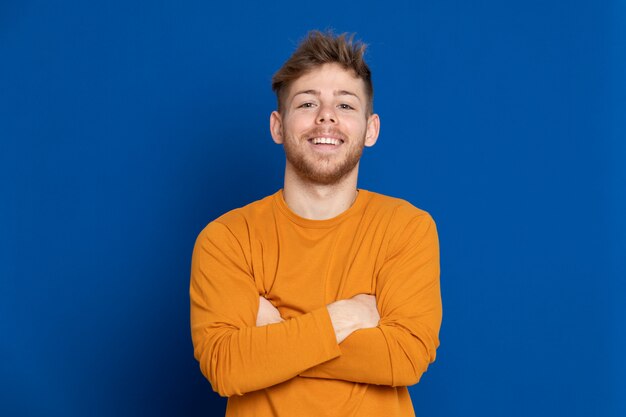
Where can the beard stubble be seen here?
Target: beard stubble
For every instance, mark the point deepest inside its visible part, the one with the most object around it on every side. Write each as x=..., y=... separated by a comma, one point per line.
x=322, y=169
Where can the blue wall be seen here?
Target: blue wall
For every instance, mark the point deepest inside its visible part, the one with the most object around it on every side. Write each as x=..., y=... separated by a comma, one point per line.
x=126, y=126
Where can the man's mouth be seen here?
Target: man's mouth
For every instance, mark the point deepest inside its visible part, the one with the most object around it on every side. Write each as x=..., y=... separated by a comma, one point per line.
x=326, y=141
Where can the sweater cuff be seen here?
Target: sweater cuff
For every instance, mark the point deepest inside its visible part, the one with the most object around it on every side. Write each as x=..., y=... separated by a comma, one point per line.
x=327, y=332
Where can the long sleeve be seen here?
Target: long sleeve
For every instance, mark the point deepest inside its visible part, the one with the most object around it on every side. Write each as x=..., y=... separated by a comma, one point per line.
x=399, y=350
x=234, y=355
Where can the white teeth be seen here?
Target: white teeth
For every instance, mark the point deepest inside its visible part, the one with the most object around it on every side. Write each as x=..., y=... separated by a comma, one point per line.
x=326, y=141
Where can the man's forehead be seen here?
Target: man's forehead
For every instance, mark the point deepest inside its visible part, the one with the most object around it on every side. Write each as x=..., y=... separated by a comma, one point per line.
x=342, y=81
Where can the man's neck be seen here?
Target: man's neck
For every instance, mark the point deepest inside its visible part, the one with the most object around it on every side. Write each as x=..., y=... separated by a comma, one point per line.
x=316, y=201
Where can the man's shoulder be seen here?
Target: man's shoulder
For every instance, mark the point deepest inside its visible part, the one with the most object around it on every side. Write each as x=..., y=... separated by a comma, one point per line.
x=258, y=208
x=406, y=222
x=401, y=209
x=239, y=220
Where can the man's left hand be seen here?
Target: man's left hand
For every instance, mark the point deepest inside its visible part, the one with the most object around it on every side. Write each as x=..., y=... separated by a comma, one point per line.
x=267, y=314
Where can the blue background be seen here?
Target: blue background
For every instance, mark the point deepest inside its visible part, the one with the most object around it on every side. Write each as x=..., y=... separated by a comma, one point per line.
x=126, y=126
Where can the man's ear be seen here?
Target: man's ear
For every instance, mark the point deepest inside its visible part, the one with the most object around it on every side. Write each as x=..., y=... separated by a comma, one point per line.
x=373, y=128
x=276, y=127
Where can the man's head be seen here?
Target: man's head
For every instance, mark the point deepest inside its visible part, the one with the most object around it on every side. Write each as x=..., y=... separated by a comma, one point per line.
x=325, y=114
x=320, y=48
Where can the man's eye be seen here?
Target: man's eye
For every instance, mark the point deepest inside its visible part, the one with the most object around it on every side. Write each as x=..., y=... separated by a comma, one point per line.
x=306, y=105
x=346, y=107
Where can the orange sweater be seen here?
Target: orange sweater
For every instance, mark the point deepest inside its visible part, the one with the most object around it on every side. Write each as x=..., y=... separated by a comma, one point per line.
x=381, y=245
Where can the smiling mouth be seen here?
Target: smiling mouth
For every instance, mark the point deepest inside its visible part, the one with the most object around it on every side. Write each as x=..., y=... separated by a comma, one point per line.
x=326, y=141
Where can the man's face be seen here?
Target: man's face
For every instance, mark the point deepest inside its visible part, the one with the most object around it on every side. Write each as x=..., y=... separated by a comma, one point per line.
x=324, y=124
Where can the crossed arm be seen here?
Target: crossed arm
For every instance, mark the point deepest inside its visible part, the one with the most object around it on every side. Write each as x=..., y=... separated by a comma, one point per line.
x=244, y=345
x=346, y=316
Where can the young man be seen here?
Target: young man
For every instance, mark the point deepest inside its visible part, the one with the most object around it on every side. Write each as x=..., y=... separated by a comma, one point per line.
x=321, y=299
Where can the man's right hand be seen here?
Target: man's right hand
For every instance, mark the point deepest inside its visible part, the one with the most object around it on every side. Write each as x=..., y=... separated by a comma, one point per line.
x=358, y=312
x=267, y=313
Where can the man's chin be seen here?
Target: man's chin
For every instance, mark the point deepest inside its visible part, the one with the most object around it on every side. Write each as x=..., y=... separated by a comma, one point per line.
x=330, y=177
x=322, y=171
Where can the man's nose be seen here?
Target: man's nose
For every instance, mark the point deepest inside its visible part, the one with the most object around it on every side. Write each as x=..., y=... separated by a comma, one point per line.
x=326, y=115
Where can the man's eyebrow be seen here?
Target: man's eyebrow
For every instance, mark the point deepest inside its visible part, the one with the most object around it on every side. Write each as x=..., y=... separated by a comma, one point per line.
x=347, y=93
